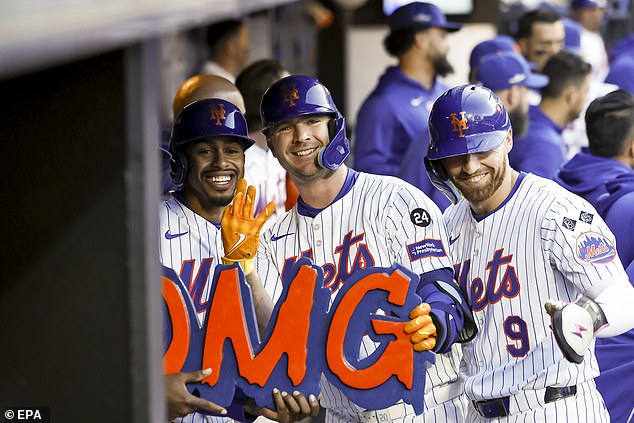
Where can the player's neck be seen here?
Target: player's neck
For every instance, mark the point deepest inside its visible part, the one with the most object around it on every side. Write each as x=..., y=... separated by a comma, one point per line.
x=482, y=208
x=209, y=212
x=419, y=70
x=556, y=110
x=320, y=193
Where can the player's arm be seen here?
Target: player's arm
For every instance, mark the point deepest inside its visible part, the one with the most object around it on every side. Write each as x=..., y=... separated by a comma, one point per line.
x=602, y=312
x=240, y=231
x=444, y=317
x=604, y=308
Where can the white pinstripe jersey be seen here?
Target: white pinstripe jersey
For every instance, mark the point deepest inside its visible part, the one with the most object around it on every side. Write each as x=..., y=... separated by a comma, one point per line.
x=542, y=243
x=191, y=246
x=370, y=225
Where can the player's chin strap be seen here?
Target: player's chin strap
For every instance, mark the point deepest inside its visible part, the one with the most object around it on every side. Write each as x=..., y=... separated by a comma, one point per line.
x=574, y=325
x=435, y=171
x=335, y=153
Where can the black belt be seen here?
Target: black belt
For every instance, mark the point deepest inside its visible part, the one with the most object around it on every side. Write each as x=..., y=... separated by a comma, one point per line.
x=499, y=407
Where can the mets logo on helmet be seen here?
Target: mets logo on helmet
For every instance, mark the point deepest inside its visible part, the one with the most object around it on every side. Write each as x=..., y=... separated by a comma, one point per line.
x=217, y=114
x=289, y=94
x=459, y=125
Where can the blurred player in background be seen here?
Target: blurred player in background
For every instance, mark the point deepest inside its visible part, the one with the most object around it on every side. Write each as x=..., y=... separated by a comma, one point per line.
x=391, y=126
x=262, y=169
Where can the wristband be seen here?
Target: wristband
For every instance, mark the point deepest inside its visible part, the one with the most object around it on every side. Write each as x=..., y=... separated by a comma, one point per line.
x=246, y=264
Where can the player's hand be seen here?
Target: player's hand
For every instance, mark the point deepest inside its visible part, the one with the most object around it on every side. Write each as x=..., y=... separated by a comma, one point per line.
x=240, y=229
x=289, y=408
x=180, y=402
x=422, y=328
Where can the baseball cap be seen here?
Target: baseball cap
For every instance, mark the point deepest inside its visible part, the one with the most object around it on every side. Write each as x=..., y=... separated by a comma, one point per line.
x=503, y=70
x=419, y=14
x=588, y=4
x=494, y=45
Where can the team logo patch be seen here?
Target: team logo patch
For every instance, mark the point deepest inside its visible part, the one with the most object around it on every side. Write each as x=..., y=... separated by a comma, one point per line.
x=426, y=248
x=586, y=217
x=569, y=223
x=289, y=95
x=595, y=248
x=420, y=217
x=459, y=125
x=217, y=114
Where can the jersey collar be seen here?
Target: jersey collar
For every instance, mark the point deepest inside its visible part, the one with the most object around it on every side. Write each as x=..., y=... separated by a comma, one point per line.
x=305, y=210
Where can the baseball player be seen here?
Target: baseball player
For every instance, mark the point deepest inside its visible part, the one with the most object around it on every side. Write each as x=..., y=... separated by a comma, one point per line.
x=194, y=88
x=346, y=221
x=207, y=147
x=519, y=240
x=391, y=128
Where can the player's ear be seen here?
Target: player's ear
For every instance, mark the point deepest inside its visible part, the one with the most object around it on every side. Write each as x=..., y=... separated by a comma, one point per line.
x=512, y=97
x=508, y=142
x=269, y=143
x=571, y=93
x=523, y=43
x=421, y=40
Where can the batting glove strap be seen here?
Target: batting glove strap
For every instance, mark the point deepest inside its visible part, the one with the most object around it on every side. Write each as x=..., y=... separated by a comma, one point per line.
x=446, y=296
x=445, y=330
x=246, y=264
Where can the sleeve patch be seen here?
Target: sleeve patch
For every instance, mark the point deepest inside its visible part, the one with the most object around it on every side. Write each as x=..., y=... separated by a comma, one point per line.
x=420, y=217
x=595, y=248
x=586, y=217
x=569, y=223
x=426, y=248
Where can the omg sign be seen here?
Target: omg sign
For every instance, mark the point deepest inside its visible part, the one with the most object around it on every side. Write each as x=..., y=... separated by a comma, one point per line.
x=304, y=339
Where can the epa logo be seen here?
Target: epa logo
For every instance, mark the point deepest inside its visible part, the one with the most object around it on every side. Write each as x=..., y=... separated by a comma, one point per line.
x=33, y=414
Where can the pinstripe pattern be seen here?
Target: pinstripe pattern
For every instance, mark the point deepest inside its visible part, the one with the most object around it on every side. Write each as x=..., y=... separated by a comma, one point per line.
x=377, y=209
x=200, y=240
x=527, y=232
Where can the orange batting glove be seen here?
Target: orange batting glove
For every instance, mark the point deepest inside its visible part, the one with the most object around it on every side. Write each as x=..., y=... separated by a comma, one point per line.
x=422, y=328
x=240, y=230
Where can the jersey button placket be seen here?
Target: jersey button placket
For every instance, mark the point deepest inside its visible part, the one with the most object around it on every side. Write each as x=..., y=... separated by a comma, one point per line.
x=318, y=241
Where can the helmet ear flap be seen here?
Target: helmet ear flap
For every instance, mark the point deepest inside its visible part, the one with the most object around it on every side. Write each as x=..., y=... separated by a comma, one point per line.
x=332, y=130
x=439, y=178
x=335, y=153
x=178, y=168
x=440, y=169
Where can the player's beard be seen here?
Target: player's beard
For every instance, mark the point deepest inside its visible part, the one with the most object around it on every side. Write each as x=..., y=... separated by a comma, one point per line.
x=442, y=67
x=221, y=201
x=486, y=190
x=519, y=121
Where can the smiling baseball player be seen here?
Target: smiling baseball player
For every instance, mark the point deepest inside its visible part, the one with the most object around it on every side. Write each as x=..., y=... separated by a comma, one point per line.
x=520, y=242
x=207, y=147
x=346, y=221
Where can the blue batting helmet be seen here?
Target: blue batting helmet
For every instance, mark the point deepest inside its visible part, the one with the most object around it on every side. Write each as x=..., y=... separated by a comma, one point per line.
x=464, y=120
x=211, y=117
x=298, y=95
